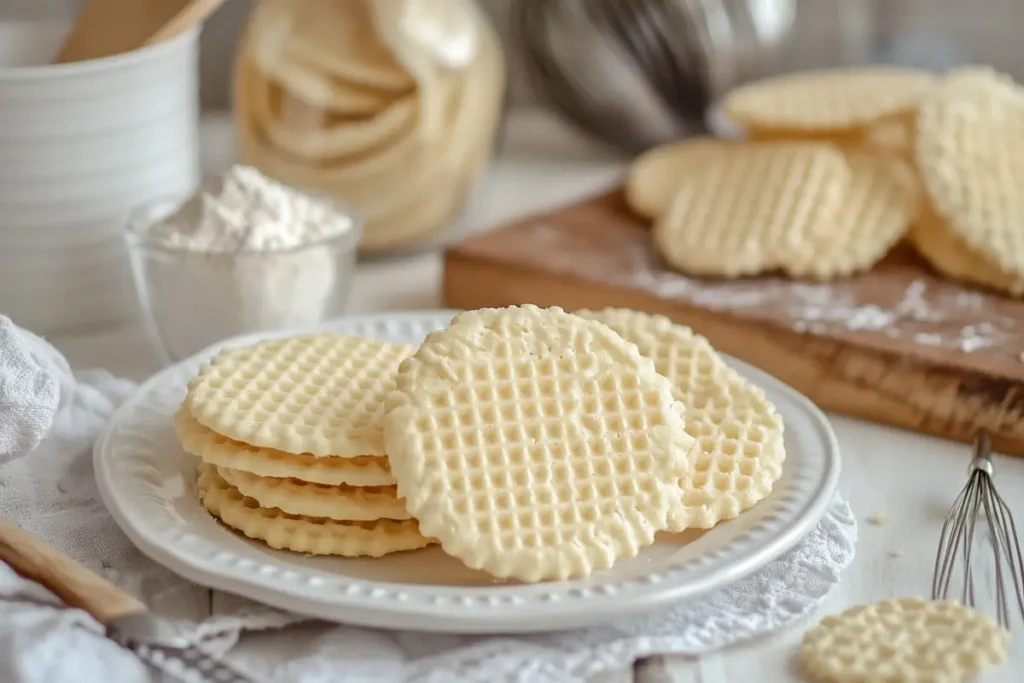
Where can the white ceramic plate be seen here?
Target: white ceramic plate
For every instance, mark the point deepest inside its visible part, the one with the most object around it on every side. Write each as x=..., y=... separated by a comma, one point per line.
x=147, y=483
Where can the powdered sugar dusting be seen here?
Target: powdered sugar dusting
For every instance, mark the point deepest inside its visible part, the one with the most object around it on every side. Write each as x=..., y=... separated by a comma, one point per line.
x=928, y=315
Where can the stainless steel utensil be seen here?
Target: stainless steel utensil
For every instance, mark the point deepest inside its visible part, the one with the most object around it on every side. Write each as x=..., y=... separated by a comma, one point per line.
x=956, y=543
x=126, y=620
x=637, y=73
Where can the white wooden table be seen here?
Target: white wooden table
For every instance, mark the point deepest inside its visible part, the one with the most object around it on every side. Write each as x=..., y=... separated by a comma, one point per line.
x=911, y=479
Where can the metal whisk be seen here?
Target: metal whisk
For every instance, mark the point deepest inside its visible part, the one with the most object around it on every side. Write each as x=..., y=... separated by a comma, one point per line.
x=956, y=544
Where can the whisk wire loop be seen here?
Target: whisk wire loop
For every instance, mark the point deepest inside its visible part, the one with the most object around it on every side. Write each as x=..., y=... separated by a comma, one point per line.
x=956, y=541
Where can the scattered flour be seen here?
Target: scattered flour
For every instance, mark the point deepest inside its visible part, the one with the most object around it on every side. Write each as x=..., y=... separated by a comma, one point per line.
x=919, y=315
x=245, y=254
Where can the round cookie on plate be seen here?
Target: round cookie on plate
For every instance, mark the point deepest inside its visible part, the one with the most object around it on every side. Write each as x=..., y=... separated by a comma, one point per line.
x=297, y=497
x=289, y=433
x=302, y=534
x=220, y=451
x=535, y=444
x=738, y=431
x=318, y=394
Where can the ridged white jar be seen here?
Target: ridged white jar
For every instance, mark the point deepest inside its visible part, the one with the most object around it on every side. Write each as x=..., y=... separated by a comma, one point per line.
x=81, y=145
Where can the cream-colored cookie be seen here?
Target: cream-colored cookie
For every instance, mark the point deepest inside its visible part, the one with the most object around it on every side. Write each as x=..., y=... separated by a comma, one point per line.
x=534, y=444
x=312, y=535
x=655, y=175
x=756, y=209
x=739, y=433
x=296, y=497
x=970, y=153
x=953, y=257
x=318, y=394
x=881, y=202
x=211, y=447
x=828, y=100
x=909, y=640
x=891, y=135
x=798, y=207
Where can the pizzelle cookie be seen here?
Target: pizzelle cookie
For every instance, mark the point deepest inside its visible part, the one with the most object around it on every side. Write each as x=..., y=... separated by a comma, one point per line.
x=313, y=535
x=970, y=153
x=318, y=394
x=655, y=175
x=211, y=447
x=881, y=202
x=908, y=640
x=534, y=444
x=739, y=433
x=953, y=257
x=296, y=497
x=891, y=135
x=803, y=208
x=756, y=209
x=828, y=100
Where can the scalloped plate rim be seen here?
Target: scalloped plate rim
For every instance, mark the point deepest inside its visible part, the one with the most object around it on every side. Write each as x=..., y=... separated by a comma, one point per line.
x=573, y=607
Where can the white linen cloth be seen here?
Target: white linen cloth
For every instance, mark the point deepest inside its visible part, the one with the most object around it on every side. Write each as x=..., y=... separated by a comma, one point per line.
x=50, y=491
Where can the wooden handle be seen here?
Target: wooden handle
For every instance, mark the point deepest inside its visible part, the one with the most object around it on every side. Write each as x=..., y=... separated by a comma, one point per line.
x=73, y=583
x=195, y=12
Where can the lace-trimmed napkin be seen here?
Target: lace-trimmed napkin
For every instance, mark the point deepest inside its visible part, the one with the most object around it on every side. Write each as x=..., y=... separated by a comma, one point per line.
x=51, y=492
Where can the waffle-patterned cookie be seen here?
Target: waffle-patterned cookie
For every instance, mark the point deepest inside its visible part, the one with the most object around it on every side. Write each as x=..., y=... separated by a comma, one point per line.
x=346, y=503
x=361, y=470
x=312, y=535
x=970, y=153
x=739, y=433
x=827, y=100
x=317, y=394
x=880, y=203
x=950, y=255
x=892, y=135
x=655, y=175
x=534, y=444
x=755, y=209
x=908, y=640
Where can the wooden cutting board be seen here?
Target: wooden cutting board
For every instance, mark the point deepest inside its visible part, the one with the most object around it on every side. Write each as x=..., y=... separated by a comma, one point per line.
x=899, y=345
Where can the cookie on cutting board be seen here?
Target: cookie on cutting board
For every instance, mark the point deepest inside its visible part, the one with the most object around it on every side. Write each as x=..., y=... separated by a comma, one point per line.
x=970, y=154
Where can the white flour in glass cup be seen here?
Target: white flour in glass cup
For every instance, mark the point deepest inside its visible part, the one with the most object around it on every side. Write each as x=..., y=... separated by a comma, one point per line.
x=245, y=254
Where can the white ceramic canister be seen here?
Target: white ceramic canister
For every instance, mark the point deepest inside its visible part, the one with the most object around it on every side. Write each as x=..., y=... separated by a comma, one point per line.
x=81, y=145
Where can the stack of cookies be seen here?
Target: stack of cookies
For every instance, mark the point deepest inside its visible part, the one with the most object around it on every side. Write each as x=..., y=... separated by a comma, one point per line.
x=836, y=168
x=531, y=443
x=290, y=441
